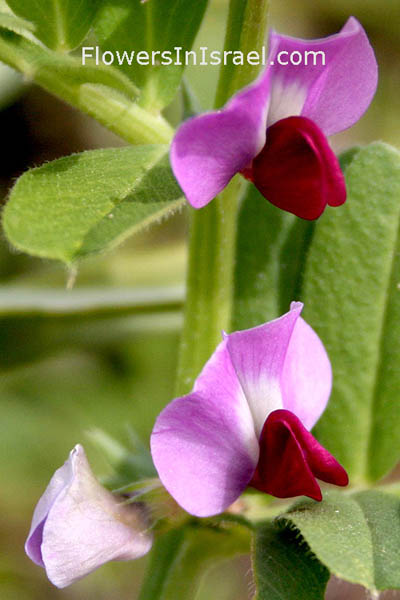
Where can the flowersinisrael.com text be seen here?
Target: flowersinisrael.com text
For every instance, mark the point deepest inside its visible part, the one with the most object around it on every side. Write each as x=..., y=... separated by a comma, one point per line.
x=202, y=57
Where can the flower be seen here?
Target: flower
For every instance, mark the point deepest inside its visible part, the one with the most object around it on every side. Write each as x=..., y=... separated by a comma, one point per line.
x=78, y=525
x=274, y=131
x=247, y=420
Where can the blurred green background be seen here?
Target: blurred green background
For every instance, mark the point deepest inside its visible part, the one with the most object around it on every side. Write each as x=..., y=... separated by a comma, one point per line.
x=65, y=371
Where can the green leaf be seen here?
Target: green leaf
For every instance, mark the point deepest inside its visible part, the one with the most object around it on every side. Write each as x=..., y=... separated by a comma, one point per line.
x=382, y=513
x=356, y=537
x=352, y=299
x=272, y=246
x=271, y=249
x=180, y=558
x=153, y=26
x=59, y=24
x=347, y=156
x=284, y=568
x=90, y=202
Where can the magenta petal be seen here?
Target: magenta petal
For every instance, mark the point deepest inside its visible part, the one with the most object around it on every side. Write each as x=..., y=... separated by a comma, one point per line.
x=307, y=375
x=207, y=151
x=334, y=95
x=82, y=525
x=296, y=170
x=258, y=357
x=346, y=87
x=203, y=445
x=291, y=458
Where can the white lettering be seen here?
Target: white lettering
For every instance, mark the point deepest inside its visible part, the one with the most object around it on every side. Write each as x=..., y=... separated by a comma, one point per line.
x=85, y=53
x=110, y=60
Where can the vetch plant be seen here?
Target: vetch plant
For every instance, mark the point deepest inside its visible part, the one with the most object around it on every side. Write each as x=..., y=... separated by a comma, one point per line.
x=251, y=430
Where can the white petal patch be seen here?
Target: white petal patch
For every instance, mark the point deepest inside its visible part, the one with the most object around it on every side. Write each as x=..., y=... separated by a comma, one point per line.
x=258, y=357
x=287, y=99
x=264, y=396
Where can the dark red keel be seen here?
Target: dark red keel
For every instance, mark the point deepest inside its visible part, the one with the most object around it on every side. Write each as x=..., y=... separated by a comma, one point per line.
x=291, y=459
x=297, y=170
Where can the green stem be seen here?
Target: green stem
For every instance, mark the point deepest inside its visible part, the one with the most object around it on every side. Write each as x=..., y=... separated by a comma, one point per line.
x=125, y=118
x=247, y=24
x=105, y=95
x=209, y=283
x=212, y=238
x=166, y=550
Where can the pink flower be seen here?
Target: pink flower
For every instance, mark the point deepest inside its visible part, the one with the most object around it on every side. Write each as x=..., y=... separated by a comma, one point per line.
x=78, y=525
x=247, y=420
x=274, y=131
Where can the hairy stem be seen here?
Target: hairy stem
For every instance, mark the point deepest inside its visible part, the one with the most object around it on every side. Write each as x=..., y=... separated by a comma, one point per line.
x=104, y=94
x=209, y=283
x=212, y=241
